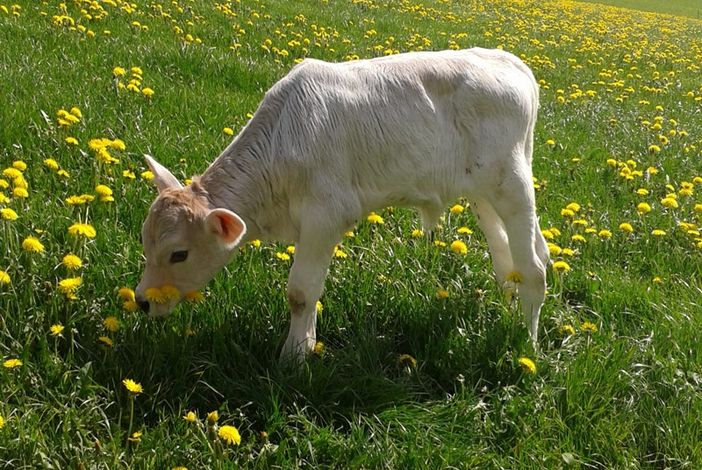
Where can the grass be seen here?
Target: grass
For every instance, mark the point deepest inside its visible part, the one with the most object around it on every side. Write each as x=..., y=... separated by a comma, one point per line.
x=689, y=8
x=619, y=125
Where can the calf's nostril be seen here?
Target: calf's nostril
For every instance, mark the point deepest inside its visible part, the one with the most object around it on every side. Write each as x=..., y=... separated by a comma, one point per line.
x=144, y=305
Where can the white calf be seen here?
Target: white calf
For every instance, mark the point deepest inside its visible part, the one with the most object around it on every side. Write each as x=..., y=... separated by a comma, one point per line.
x=332, y=142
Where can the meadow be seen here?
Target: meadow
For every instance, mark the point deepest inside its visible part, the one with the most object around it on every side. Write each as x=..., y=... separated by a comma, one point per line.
x=421, y=362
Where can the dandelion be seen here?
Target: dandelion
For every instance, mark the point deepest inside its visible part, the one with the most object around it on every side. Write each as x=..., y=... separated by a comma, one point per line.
x=374, y=218
x=111, y=324
x=442, y=294
x=417, y=233
x=318, y=349
x=71, y=140
x=118, y=71
x=148, y=92
x=69, y=285
x=229, y=434
x=135, y=437
x=568, y=330
x=457, y=209
x=154, y=294
x=56, y=329
x=561, y=266
x=626, y=227
x=12, y=363
x=11, y=173
x=103, y=191
x=658, y=232
x=80, y=229
x=669, y=202
x=8, y=214
x=106, y=341
x=643, y=208
x=457, y=246
x=133, y=387
x=2, y=422
x=406, y=361
x=126, y=294
x=194, y=296
x=212, y=417
x=4, y=278
x=170, y=292
x=578, y=238
x=255, y=243
x=20, y=193
x=604, y=234
x=190, y=417
x=228, y=131
x=282, y=256
x=588, y=327
x=147, y=175
x=319, y=307
x=32, y=245
x=290, y=249
x=527, y=365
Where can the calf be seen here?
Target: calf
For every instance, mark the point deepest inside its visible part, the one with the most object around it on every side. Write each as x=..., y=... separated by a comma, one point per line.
x=333, y=141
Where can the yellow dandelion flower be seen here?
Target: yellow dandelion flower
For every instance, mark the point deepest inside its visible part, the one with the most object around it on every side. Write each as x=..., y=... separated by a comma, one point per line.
x=228, y=130
x=72, y=262
x=669, y=202
x=5, y=278
x=170, y=292
x=118, y=71
x=604, y=234
x=154, y=294
x=75, y=111
x=106, y=341
x=71, y=140
x=32, y=245
x=80, y=229
x=374, y=218
x=212, y=417
x=147, y=175
x=318, y=349
x=135, y=437
x=626, y=227
x=11, y=173
x=56, y=329
x=130, y=306
x=282, y=256
x=588, y=327
x=578, y=238
x=405, y=360
x=554, y=250
x=568, y=330
x=194, y=296
x=464, y=231
x=20, y=193
x=457, y=209
x=229, y=434
x=2, y=422
x=417, y=233
x=133, y=387
x=126, y=294
x=69, y=285
x=527, y=365
x=12, y=363
x=190, y=417
x=658, y=232
x=643, y=208
x=111, y=324
x=8, y=214
x=19, y=165
x=561, y=266
x=255, y=243
x=457, y=246
x=148, y=92
x=103, y=190
x=290, y=249
x=442, y=294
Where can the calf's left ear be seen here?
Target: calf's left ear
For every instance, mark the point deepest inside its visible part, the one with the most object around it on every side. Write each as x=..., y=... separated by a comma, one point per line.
x=228, y=226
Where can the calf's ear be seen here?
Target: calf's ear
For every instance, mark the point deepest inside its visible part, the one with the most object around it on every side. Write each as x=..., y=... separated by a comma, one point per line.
x=162, y=177
x=226, y=225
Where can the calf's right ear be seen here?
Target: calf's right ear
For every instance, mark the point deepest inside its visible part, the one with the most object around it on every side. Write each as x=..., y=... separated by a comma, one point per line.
x=162, y=177
x=228, y=226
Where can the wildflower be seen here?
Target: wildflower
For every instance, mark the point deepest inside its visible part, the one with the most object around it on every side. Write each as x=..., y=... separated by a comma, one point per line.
x=654, y=148
x=604, y=234
x=56, y=329
x=255, y=243
x=111, y=324
x=588, y=327
x=698, y=208
x=568, y=330
x=106, y=341
x=103, y=191
x=69, y=285
x=657, y=280
x=669, y=202
x=457, y=209
x=19, y=165
x=642, y=192
x=658, y=232
x=643, y=208
x=567, y=212
x=75, y=111
x=374, y=218
x=229, y=434
x=574, y=206
x=561, y=266
x=85, y=230
x=212, y=417
x=129, y=174
x=32, y=245
x=133, y=387
x=318, y=349
x=4, y=278
x=228, y=131
x=118, y=71
x=464, y=231
x=71, y=140
x=126, y=294
x=319, y=307
x=405, y=360
x=417, y=233
x=457, y=246
x=154, y=294
x=578, y=238
x=148, y=92
x=190, y=417
x=12, y=363
x=194, y=296
x=2, y=422
x=548, y=234
x=8, y=214
x=147, y=175
x=551, y=143
x=442, y=294
x=554, y=250
x=11, y=173
x=20, y=193
x=527, y=365
x=439, y=243
x=282, y=256
x=135, y=437
x=170, y=292
x=626, y=227
x=290, y=249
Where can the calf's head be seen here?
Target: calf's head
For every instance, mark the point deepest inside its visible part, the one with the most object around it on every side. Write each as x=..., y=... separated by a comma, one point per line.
x=186, y=242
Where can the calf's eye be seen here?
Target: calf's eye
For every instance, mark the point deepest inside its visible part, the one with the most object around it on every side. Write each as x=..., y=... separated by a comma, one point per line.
x=179, y=256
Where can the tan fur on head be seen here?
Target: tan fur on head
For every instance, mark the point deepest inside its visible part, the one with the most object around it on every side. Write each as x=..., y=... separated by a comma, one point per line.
x=186, y=242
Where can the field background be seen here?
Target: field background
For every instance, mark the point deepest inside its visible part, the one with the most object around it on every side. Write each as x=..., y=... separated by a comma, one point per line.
x=421, y=361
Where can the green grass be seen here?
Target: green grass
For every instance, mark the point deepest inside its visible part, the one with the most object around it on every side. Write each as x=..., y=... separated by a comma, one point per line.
x=614, y=83
x=689, y=8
